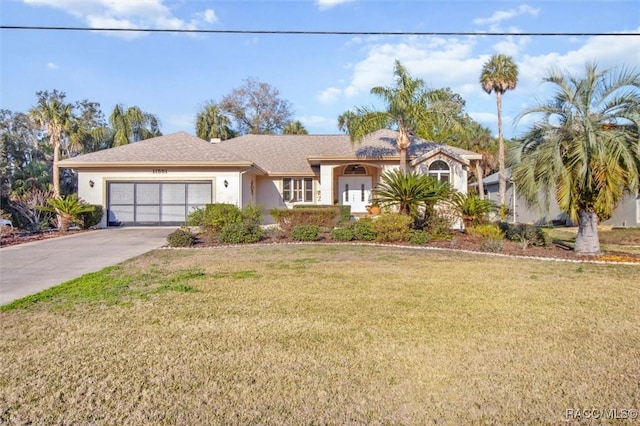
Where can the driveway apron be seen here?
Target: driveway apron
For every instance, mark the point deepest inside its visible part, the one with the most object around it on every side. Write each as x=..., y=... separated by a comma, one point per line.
x=32, y=267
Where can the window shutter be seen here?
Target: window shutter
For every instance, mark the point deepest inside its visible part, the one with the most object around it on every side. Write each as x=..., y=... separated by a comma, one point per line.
x=286, y=189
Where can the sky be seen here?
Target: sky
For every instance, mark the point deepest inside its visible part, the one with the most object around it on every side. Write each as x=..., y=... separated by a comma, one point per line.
x=173, y=75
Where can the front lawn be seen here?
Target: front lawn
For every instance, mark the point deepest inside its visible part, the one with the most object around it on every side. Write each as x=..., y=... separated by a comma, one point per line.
x=324, y=334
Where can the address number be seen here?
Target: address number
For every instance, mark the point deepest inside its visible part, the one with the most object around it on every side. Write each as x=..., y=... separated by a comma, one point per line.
x=159, y=171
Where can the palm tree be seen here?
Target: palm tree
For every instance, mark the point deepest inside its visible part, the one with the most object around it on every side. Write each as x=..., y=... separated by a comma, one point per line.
x=295, y=128
x=212, y=123
x=499, y=74
x=584, y=150
x=55, y=117
x=132, y=125
x=410, y=191
x=409, y=110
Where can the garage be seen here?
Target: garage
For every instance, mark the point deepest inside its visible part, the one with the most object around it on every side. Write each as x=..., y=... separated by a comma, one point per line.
x=146, y=203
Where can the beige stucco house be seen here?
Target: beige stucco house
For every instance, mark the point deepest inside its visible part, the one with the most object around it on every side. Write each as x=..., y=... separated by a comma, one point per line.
x=159, y=181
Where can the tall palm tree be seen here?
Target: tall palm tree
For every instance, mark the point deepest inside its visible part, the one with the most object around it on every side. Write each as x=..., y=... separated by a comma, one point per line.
x=54, y=116
x=409, y=110
x=212, y=123
x=132, y=125
x=295, y=128
x=499, y=74
x=584, y=150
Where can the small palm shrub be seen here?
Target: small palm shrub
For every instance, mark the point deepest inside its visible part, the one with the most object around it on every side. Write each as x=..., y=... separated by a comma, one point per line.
x=419, y=237
x=305, y=233
x=363, y=230
x=343, y=234
x=92, y=217
x=527, y=235
x=390, y=227
x=68, y=208
x=241, y=233
x=471, y=208
x=410, y=191
x=181, y=237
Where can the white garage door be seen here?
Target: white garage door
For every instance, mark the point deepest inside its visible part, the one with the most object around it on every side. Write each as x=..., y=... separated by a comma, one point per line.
x=155, y=203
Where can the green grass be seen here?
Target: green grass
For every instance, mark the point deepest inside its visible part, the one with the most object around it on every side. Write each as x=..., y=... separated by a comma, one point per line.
x=625, y=240
x=324, y=335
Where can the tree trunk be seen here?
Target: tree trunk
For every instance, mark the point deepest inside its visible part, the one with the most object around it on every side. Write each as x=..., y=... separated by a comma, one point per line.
x=403, y=160
x=55, y=141
x=587, y=242
x=479, y=177
x=502, y=179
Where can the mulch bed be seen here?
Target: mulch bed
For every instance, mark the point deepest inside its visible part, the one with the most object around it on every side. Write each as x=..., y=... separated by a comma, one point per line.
x=12, y=238
x=462, y=241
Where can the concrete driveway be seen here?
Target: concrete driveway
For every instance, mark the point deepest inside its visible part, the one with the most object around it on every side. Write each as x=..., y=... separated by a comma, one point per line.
x=32, y=267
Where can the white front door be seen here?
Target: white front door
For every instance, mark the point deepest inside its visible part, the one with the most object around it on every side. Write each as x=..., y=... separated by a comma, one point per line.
x=355, y=192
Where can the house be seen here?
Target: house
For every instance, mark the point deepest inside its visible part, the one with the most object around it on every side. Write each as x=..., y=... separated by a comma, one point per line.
x=159, y=181
x=627, y=214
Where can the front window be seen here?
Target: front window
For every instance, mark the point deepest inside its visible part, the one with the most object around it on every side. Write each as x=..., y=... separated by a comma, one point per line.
x=440, y=170
x=297, y=190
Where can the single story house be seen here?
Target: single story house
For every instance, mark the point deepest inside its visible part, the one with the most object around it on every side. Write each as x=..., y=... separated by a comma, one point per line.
x=627, y=214
x=159, y=181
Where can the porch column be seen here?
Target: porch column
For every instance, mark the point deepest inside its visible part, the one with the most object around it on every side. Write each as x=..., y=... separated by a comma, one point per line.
x=326, y=185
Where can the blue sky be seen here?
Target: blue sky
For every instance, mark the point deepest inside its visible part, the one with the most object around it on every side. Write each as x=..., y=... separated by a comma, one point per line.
x=173, y=75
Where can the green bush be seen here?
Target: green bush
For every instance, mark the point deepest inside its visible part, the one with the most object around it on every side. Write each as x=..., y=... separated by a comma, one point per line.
x=181, y=237
x=485, y=231
x=493, y=245
x=91, y=218
x=342, y=234
x=287, y=219
x=419, y=237
x=363, y=230
x=196, y=217
x=241, y=233
x=252, y=214
x=392, y=227
x=343, y=211
x=305, y=233
x=527, y=235
x=219, y=215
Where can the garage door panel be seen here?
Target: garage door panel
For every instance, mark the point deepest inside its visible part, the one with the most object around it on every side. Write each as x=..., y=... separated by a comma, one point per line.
x=155, y=203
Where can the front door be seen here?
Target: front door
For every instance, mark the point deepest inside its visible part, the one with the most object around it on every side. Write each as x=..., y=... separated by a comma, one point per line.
x=355, y=192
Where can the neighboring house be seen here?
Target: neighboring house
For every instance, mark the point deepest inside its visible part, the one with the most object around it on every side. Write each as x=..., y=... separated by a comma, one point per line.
x=159, y=181
x=627, y=214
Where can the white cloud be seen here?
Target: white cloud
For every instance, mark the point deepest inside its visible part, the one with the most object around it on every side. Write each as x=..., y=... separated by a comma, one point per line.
x=182, y=121
x=317, y=121
x=328, y=4
x=329, y=95
x=127, y=14
x=52, y=66
x=503, y=15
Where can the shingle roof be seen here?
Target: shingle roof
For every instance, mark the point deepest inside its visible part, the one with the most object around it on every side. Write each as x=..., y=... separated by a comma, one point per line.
x=175, y=148
x=276, y=154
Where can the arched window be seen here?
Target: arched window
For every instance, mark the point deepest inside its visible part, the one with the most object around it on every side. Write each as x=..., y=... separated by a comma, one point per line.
x=355, y=169
x=440, y=170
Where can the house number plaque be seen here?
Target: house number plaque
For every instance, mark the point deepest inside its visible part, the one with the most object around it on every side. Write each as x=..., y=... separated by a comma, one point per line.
x=159, y=171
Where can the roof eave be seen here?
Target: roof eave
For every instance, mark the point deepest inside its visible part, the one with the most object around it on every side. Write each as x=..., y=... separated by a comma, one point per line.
x=70, y=164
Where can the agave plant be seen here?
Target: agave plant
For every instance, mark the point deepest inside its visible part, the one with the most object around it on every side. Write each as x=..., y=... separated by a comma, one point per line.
x=68, y=208
x=409, y=191
x=471, y=208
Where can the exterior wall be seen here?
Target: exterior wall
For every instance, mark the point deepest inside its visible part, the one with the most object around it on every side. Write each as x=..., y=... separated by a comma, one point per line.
x=97, y=194
x=627, y=214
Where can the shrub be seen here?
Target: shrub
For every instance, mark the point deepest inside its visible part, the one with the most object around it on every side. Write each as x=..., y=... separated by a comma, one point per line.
x=492, y=236
x=526, y=234
x=344, y=212
x=289, y=218
x=219, y=215
x=181, y=237
x=92, y=217
x=419, y=237
x=68, y=208
x=252, y=214
x=471, y=208
x=438, y=226
x=363, y=230
x=305, y=233
x=342, y=234
x=391, y=227
x=241, y=233
x=195, y=217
